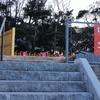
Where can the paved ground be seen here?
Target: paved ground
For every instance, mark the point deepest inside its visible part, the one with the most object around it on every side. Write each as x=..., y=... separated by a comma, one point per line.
x=35, y=59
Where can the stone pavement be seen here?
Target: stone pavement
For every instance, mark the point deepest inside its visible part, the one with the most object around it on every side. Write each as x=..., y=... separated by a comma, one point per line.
x=34, y=59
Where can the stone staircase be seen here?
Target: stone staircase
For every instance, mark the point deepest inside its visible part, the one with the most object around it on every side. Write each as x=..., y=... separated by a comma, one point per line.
x=42, y=81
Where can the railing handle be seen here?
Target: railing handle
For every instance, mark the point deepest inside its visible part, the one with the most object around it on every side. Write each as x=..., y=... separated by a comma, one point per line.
x=2, y=31
x=2, y=43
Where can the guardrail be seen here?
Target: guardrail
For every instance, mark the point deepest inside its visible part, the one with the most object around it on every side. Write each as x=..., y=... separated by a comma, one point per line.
x=2, y=31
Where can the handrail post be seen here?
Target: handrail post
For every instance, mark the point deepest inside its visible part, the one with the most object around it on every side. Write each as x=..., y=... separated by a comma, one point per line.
x=67, y=40
x=2, y=43
x=2, y=31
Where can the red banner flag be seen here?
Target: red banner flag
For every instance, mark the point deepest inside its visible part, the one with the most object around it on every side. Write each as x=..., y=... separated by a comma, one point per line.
x=97, y=39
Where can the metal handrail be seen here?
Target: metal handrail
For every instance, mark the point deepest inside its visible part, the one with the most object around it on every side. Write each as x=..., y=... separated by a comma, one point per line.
x=2, y=31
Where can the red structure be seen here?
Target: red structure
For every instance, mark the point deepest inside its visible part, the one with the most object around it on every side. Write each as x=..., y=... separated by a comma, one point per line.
x=97, y=39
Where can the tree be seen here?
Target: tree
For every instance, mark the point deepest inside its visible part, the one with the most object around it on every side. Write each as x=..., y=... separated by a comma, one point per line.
x=81, y=14
x=60, y=13
x=92, y=14
x=95, y=11
x=11, y=9
x=36, y=12
x=38, y=24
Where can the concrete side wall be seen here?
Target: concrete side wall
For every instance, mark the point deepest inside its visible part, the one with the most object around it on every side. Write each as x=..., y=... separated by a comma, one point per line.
x=90, y=77
x=96, y=69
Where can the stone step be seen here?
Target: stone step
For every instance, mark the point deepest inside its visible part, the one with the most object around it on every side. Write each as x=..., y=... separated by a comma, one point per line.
x=40, y=75
x=43, y=86
x=47, y=96
x=33, y=66
x=42, y=81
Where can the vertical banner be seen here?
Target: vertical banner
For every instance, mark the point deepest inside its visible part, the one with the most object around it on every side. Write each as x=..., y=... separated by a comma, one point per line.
x=97, y=39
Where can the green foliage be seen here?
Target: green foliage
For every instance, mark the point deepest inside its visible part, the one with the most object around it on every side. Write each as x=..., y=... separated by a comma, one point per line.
x=81, y=13
x=39, y=25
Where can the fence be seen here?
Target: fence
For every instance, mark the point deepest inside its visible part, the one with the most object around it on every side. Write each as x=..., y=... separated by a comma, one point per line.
x=80, y=41
x=9, y=42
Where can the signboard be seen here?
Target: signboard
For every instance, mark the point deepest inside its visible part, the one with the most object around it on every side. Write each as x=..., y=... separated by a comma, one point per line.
x=97, y=39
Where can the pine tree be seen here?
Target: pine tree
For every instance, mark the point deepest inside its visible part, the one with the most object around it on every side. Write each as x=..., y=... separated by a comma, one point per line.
x=35, y=12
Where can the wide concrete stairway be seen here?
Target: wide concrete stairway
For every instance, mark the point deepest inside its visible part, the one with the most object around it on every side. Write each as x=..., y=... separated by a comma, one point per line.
x=42, y=81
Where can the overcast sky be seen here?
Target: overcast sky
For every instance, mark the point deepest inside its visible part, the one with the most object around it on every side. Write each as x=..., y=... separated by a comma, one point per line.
x=77, y=5
x=80, y=5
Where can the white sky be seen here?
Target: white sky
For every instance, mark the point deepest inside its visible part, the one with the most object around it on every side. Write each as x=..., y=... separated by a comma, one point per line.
x=77, y=5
